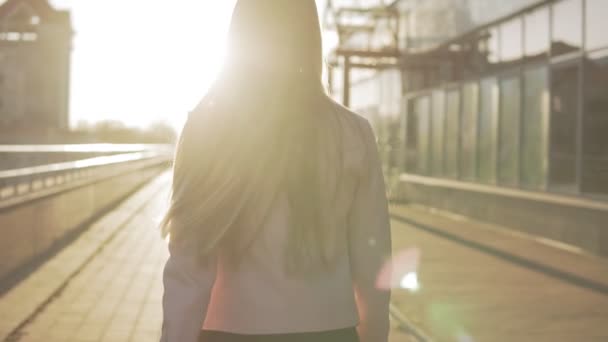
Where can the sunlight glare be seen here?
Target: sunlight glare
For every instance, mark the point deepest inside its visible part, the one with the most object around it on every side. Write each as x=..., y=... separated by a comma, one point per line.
x=400, y=271
x=143, y=61
x=410, y=282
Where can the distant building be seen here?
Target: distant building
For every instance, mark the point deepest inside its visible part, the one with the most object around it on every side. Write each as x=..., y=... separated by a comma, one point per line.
x=496, y=110
x=511, y=94
x=35, y=48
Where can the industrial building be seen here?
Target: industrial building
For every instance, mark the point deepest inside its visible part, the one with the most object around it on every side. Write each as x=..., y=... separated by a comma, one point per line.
x=35, y=54
x=497, y=110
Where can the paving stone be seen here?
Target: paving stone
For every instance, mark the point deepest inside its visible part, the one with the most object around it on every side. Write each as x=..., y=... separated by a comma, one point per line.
x=76, y=312
x=468, y=295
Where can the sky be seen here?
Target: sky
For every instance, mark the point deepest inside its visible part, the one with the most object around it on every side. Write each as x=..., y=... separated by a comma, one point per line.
x=144, y=61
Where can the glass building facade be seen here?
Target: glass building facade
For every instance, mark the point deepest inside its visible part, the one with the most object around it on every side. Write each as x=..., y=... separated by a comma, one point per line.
x=520, y=103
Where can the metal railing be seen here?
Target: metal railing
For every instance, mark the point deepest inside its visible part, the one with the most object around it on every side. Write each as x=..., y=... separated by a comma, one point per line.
x=32, y=182
x=23, y=156
x=75, y=148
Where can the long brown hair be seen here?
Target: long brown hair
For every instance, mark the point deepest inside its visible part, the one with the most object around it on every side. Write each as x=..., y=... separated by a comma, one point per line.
x=262, y=129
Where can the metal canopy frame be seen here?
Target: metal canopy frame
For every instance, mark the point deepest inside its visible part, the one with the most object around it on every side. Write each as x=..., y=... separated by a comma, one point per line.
x=364, y=24
x=359, y=28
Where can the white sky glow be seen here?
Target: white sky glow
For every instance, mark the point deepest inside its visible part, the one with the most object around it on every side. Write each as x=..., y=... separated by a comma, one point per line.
x=142, y=61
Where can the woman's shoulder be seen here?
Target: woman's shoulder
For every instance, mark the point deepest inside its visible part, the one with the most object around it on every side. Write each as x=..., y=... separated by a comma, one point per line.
x=356, y=128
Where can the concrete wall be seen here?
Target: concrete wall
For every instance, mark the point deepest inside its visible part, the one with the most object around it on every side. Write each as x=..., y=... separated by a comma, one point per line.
x=32, y=228
x=576, y=221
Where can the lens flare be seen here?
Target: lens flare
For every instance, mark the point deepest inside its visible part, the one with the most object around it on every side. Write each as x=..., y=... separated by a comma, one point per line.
x=410, y=282
x=400, y=270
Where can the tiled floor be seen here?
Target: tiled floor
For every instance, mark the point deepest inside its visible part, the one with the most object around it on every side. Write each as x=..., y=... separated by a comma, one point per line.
x=469, y=295
x=115, y=297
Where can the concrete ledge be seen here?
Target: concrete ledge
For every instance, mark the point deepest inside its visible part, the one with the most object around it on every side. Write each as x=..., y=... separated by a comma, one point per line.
x=580, y=222
x=31, y=228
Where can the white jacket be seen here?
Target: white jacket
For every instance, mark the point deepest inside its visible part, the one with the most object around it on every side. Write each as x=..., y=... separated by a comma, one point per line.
x=261, y=299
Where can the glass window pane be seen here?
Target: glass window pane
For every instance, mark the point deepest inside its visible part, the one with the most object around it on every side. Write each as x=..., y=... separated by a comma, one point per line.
x=568, y=30
x=422, y=110
x=537, y=34
x=411, y=137
x=564, y=109
x=438, y=122
x=595, y=126
x=508, y=150
x=488, y=124
x=452, y=133
x=469, y=131
x=511, y=45
x=597, y=26
x=534, y=128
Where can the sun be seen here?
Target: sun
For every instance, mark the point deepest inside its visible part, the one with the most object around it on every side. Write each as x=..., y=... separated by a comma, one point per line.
x=142, y=61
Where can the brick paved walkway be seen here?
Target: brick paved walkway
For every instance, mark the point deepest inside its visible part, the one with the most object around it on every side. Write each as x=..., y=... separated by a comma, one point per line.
x=114, y=297
x=469, y=295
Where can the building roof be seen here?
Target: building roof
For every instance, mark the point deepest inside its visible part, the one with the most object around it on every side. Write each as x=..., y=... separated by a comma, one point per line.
x=41, y=8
